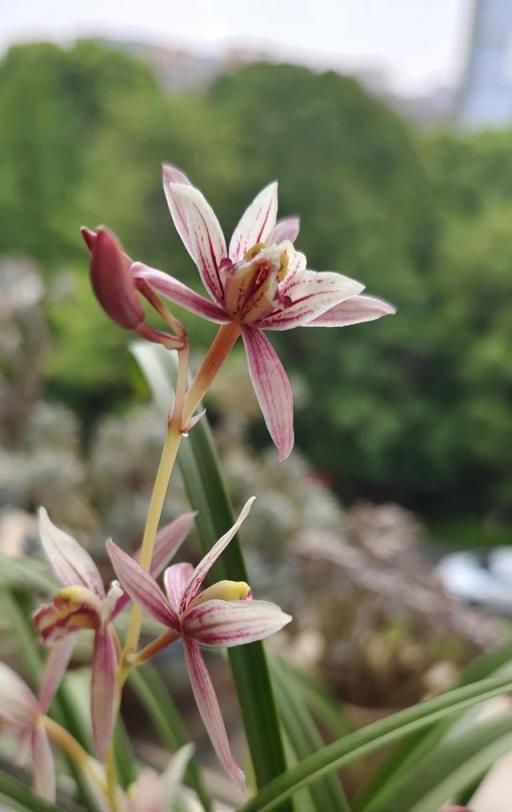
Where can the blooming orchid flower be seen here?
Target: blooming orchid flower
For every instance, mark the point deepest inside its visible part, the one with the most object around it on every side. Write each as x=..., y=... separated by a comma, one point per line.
x=23, y=713
x=84, y=604
x=260, y=282
x=222, y=615
x=151, y=792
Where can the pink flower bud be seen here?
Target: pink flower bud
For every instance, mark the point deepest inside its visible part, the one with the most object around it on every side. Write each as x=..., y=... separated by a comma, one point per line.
x=111, y=278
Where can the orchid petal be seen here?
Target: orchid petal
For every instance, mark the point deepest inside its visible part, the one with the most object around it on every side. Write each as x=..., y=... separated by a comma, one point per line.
x=178, y=292
x=170, y=176
x=310, y=294
x=141, y=586
x=44, y=767
x=257, y=223
x=72, y=564
x=205, y=243
x=103, y=690
x=272, y=389
x=18, y=705
x=168, y=541
x=287, y=229
x=209, y=709
x=148, y=794
x=172, y=777
x=233, y=623
x=111, y=279
x=54, y=670
x=202, y=569
x=176, y=579
x=355, y=310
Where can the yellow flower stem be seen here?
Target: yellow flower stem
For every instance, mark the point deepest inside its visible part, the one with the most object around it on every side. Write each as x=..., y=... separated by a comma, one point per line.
x=69, y=745
x=220, y=348
x=158, y=644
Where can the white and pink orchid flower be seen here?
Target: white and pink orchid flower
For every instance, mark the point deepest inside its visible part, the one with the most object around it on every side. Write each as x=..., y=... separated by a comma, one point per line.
x=22, y=713
x=83, y=603
x=260, y=282
x=222, y=615
x=152, y=791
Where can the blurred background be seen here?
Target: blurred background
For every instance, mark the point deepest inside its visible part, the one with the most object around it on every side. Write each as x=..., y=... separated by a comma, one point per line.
x=389, y=127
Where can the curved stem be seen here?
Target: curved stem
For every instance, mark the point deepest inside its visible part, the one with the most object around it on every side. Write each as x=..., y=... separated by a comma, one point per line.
x=219, y=350
x=73, y=749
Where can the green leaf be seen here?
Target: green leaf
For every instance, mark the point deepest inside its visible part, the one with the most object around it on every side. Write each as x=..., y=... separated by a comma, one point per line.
x=450, y=767
x=125, y=757
x=18, y=797
x=323, y=705
x=207, y=494
x=154, y=696
x=412, y=749
x=304, y=738
x=372, y=737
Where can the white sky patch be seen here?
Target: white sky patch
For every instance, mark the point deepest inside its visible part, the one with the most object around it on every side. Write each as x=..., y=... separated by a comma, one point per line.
x=417, y=45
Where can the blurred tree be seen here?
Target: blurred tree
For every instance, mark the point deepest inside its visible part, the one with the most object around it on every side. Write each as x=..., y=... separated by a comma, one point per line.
x=52, y=101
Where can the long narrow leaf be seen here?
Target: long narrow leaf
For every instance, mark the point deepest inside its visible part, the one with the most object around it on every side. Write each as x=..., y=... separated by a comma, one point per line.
x=453, y=765
x=207, y=495
x=372, y=737
x=18, y=797
x=411, y=750
x=326, y=793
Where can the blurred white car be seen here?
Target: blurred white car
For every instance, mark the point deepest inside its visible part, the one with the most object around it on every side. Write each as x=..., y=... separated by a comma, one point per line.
x=482, y=578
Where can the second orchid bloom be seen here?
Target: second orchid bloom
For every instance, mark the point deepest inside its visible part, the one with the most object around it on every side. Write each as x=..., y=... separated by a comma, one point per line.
x=223, y=615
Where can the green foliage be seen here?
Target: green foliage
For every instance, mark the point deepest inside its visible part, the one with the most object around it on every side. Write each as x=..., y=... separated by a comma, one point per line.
x=415, y=407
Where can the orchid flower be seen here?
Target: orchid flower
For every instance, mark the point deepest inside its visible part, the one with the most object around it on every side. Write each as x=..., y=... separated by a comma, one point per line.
x=222, y=615
x=260, y=282
x=23, y=713
x=151, y=792
x=84, y=604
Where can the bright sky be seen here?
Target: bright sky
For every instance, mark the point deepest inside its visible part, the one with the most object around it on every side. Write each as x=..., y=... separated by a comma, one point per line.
x=418, y=44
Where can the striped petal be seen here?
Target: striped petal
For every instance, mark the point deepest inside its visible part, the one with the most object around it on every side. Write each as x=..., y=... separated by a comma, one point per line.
x=287, y=229
x=179, y=293
x=18, y=705
x=209, y=709
x=176, y=579
x=71, y=563
x=272, y=389
x=168, y=541
x=141, y=586
x=204, y=566
x=44, y=767
x=103, y=690
x=309, y=295
x=233, y=623
x=205, y=240
x=355, y=310
x=257, y=223
x=54, y=670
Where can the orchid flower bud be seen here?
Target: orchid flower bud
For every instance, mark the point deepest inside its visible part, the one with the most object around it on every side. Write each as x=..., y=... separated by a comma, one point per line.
x=111, y=279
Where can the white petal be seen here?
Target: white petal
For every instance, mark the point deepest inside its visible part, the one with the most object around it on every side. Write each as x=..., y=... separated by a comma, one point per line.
x=257, y=223
x=18, y=705
x=206, y=244
x=72, y=564
x=233, y=623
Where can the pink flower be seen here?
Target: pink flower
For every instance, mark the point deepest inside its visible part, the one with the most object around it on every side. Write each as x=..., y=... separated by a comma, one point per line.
x=151, y=792
x=23, y=714
x=260, y=283
x=84, y=604
x=221, y=615
x=118, y=291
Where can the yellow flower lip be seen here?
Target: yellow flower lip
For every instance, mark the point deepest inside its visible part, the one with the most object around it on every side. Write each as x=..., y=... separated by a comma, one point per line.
x=224, y=591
